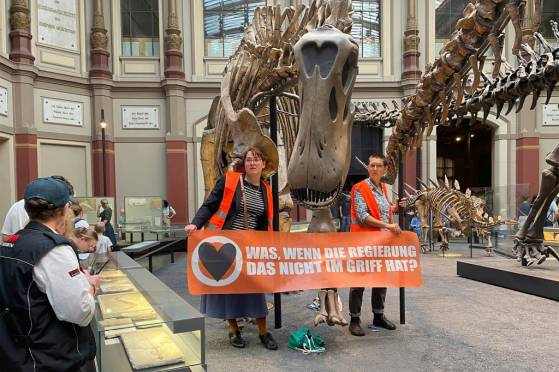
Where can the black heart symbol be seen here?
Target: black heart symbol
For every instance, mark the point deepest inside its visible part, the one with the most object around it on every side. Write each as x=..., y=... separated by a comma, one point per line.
x=217, y=262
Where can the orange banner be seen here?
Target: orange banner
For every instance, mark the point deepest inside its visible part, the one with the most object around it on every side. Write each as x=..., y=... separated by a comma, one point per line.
x=264, y=262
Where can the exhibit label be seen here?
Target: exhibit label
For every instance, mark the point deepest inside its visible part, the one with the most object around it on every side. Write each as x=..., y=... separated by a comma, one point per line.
x=56, y=111
x=140, y=117
x=58, y=23
x=3, y=101
x=264, y=262
x=551, y=114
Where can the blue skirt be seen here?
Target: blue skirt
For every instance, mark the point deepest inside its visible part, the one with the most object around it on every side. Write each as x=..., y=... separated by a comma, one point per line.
x=232, y=306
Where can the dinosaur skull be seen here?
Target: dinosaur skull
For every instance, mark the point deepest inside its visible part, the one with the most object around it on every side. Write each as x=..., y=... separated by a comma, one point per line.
x=327, y=62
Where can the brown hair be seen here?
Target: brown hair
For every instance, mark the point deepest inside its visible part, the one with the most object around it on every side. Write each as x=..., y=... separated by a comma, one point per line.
x=99, y=227
x=40, y=209
x=76, y=209
x=377, y=155
x=256, y=152
x=82, y=233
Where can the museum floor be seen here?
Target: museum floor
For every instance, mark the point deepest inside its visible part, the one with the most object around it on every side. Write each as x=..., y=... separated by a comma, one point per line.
x=453, y=324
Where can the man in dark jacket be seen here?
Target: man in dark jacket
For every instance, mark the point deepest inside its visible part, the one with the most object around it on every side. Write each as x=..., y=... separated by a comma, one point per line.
x=46, y=302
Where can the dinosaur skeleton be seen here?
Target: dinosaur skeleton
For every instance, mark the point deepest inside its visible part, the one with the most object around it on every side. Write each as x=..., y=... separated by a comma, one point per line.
x=288, y=53
x=445, y=80
x=463, y=211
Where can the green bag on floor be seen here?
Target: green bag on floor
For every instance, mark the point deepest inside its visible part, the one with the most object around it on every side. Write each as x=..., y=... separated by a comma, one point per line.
x=303, y=340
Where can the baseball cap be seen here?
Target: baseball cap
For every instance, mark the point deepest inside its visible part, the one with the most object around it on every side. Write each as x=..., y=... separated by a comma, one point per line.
x=50, y=189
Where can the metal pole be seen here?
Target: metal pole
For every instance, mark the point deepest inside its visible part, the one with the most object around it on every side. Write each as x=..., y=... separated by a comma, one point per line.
x=104, y=163
x=275, y=193
x=402, y=227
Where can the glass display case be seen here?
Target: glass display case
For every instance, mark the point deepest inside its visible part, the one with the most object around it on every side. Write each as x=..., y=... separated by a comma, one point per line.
x=142, y=325
x=90, y=205
x=143, y=212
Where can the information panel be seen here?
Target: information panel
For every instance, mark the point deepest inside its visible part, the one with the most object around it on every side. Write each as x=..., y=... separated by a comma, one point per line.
x=3, y=101
x=58, y=23
x=551, y=114
x=140, y=117
x=57, y=111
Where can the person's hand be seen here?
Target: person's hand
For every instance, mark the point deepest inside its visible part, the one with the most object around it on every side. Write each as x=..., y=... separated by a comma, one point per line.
x=402, y=202
x=190, y=229
x=94, y=281
x=394, y=227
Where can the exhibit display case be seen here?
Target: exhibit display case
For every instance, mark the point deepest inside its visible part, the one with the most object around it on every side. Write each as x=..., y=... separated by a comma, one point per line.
x=142, y=325
x=143, y=212
x=90, y=205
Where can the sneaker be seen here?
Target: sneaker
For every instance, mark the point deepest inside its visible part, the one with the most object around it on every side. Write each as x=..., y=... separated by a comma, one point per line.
x=381, y=321
x=355, y=328
x=237, y=340
x=268, y=341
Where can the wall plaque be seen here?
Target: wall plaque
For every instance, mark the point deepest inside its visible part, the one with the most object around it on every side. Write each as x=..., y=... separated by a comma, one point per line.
x=140, y=117
x=56, y=111
x=551, y=114
x=3, y=101
x=58, y=23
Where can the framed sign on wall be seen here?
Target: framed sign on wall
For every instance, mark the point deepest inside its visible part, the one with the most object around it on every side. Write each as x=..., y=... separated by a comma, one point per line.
x=140, y=117
x=57, y=111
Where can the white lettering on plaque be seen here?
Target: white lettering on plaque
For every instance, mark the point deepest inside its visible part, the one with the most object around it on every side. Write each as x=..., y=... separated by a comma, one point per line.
x=551, y=114
x=3, y=101
x=58, y=23
x=140, y=117
x=57, y=111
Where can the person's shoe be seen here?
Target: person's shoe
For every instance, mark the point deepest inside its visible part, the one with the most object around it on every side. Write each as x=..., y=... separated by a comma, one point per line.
x=268, y=341
x=237, y=340
x=381, y=321
x=355, y=327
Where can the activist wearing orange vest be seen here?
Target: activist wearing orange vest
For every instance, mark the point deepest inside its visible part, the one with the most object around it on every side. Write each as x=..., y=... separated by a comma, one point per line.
x=239, y=201
x=376, y=169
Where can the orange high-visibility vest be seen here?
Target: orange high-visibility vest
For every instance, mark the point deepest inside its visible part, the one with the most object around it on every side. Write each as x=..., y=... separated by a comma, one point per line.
x=372, y=205
x=231, y=181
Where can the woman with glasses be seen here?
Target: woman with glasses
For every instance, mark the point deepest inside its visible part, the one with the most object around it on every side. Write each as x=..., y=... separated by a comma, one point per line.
x=371, y=211
x=248, y=207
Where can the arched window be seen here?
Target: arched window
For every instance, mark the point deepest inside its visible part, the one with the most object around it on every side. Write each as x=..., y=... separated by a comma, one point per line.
x=224, y=24
x=366, y=27
x=140, y=28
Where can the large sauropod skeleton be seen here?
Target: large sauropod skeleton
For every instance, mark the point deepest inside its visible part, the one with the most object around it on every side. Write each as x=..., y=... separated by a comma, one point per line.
x=306, y=58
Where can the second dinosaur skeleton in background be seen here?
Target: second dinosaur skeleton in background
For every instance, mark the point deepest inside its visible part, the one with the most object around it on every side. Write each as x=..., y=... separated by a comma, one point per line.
x=452, y=208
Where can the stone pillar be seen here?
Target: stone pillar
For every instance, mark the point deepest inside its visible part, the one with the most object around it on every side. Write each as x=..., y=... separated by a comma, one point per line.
x=177, y=166
x=528, y=167
x=20, y=35
x=527, y=24
x=102, y=100
x=411, y=45
x=99, y=41
x=527, y=164
x=173, y=43
x=25, y=128
x=411, y=170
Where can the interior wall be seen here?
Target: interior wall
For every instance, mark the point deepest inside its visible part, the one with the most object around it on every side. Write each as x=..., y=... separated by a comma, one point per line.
x=69, y=160
x=7, y=176
x=141, y=170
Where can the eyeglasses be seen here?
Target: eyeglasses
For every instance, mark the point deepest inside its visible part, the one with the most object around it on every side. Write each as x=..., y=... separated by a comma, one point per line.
x=376, y=166
x=253, y=160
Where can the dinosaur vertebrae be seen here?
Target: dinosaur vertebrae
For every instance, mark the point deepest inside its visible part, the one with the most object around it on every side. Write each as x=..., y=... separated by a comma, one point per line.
x=481, y=22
